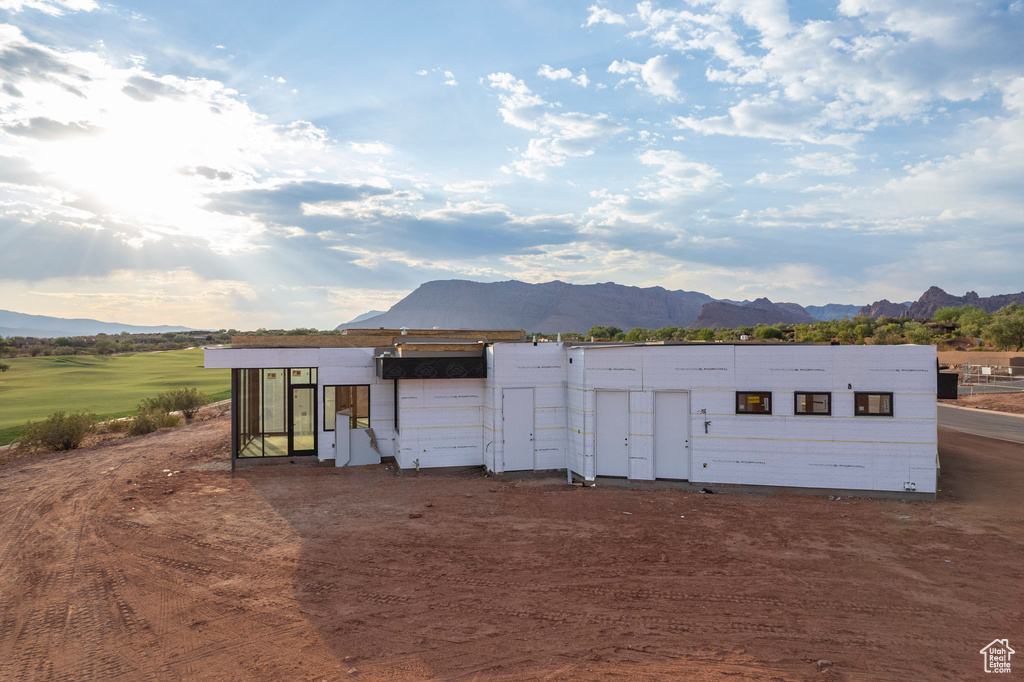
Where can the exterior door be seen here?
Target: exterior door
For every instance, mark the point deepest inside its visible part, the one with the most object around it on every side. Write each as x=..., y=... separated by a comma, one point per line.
x=672, y=435
x=611, y=432
x=517, y=428
x=302, y=431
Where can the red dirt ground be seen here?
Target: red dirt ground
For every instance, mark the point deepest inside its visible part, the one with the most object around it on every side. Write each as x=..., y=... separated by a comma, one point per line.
x=997, y=402
x=112, y=569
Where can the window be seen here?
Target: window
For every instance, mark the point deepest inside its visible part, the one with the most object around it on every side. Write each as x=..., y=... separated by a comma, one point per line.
x=812, y=403
x=872, y=404
x=355, y=399
x=759, y=402
x=276, y=414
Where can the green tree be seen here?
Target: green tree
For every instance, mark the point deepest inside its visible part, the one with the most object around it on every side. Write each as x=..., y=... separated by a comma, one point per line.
x=917, y=333
x=1006, y=330
x=637, y=335
x=950, y=314
x=764, y=332
x=705, y=334
x=802, y=333
x=104, y=347
x=599, y=332
x=973, y=320
x=665, y=333
x=863, y=330
x=4, y=367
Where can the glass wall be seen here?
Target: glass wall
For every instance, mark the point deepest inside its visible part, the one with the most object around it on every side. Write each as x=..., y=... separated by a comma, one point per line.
x=274, y=419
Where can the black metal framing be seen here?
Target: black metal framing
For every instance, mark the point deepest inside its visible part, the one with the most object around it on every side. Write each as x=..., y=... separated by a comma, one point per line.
x=323, y=392
x=236, y=415
x=291, y=418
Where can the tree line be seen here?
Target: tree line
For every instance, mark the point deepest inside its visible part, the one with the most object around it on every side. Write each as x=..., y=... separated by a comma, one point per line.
x=106, y=344
x=1002, y=330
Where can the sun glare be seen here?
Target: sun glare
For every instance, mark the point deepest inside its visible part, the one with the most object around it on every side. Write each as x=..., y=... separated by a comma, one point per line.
x=156, y=164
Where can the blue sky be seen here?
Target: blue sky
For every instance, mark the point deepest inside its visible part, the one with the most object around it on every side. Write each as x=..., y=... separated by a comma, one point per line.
x=247, y=164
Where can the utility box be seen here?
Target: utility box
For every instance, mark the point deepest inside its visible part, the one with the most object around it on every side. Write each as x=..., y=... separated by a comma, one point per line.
x=947, y=387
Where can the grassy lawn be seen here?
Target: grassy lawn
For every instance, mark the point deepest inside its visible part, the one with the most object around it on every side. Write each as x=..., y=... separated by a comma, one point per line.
x=109, y=386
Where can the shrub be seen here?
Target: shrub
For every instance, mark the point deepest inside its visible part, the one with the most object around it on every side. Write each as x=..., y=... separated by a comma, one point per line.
x=59, y=431
x=184, y=400
x=148, y=421
x=116, y=426
x=4, y=367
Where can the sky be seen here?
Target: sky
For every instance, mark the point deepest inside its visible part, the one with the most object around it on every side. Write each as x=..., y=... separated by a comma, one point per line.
x=245, y=164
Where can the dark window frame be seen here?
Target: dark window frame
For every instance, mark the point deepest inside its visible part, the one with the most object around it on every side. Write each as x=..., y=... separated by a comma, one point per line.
x=866, y=400
x=353, y=419
x=745, y=401
x=796, y=403
x=250, y=394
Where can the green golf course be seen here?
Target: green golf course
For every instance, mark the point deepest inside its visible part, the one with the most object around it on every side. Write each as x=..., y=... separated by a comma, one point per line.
x=109, y=386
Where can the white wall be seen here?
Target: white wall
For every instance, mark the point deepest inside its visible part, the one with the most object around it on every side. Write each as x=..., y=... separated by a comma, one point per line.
x=841, y=451
x=440, y=423
x=580, y=407
x=491, y=415
x=543, y=368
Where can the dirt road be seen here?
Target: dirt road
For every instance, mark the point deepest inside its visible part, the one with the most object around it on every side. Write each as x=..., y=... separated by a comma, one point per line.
x=110, y=568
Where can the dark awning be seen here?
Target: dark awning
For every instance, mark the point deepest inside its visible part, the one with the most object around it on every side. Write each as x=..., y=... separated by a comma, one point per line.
x=432, y=367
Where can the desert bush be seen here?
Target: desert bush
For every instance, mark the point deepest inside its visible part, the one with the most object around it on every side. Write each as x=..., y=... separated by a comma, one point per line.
x=184, y=400
x=115, y=426
x=59, y=431
x=148, y=421
x=4, y=367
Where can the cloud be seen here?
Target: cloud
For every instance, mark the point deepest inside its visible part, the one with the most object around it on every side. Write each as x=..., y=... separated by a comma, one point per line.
x=144, y=89
x=358, y=218
x=560, y=135
x=98, y=146
x=42, y=128
x=768, y=118
x=651, y=215
x=51, y=7
x=378, y=148
x=823, y=163
x=582, y=80
x=554, y=74
x=469, y=187
x=877, y=62
x=658, y=74
x=601, y=15
x=446, y=74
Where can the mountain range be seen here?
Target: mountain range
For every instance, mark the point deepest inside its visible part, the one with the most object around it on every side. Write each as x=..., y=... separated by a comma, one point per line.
x=933, y=299
x=558, y=306
x=44, y=326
